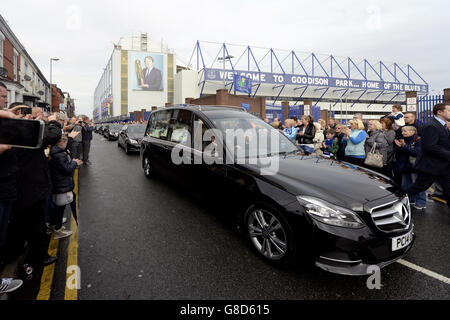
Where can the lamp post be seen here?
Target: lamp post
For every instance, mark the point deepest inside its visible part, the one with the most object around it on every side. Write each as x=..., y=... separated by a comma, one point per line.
x=51, y=88
x=51, y=61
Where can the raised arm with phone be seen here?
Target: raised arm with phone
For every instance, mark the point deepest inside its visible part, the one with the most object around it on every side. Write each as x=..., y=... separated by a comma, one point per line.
x=8, y=191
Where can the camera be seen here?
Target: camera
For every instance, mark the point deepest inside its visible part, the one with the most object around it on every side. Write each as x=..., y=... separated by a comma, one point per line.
x=26, y=111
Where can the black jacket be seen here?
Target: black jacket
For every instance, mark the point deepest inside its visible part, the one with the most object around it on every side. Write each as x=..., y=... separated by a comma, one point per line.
x=341, y=151
x=153, y=79
x=399, y=135
x=434, y=157
x=309, y=135
x=61, y=170
x=87, y=132
x=34, y=183
x=8, y=176
x=404, y=154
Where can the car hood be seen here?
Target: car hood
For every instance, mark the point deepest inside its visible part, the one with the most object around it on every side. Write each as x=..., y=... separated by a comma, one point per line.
x=340, y=183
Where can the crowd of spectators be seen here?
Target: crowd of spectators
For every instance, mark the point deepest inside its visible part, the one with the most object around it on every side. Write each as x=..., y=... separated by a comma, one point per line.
x=400, y=142
x=36, y=185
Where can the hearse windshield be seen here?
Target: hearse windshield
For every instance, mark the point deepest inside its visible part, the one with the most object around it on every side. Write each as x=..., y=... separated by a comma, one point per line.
x=252, y=136
x=136, y=129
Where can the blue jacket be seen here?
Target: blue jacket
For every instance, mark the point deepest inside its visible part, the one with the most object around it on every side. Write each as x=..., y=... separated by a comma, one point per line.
x=355, y=144
x=291, y=133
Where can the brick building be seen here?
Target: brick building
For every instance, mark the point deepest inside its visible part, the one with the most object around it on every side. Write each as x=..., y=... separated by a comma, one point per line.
x=57, y=99
x=23, y=79
x=256, y=106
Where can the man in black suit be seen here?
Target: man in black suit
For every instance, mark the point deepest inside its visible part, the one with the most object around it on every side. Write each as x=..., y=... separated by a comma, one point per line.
x=433, y=162
x=152, y=76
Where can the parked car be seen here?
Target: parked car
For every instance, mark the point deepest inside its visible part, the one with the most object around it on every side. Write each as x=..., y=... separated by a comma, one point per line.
x=96, y=128
x=130, y=137
x=111, y=131
x=100, y=129
x=342, y=217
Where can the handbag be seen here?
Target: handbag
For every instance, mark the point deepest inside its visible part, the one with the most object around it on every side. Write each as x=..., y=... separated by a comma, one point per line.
x=62, y=199
x=374, y=158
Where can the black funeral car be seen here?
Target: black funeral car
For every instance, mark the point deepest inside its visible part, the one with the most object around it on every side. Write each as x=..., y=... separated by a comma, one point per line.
x=290, y=207
x=130, y=137
x=111, y=131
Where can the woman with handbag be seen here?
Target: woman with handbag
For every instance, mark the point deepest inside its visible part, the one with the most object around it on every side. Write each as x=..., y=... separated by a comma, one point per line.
x=62, y=168
x=376, y=147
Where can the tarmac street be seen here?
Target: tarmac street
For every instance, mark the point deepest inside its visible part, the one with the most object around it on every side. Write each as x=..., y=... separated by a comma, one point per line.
x=142, y=238
x=145, y=239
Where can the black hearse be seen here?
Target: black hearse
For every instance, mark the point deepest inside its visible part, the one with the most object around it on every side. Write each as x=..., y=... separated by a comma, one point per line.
x=130, y=137
x=345, y=217
x=111, y=131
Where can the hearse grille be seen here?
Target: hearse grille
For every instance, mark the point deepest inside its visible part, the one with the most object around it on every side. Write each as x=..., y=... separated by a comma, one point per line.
x=392, y=216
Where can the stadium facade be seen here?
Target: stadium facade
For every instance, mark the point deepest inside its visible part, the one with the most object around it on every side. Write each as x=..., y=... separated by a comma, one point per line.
x=341, y=85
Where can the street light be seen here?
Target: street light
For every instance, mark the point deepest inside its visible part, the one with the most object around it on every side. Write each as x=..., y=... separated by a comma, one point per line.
x=51, y=61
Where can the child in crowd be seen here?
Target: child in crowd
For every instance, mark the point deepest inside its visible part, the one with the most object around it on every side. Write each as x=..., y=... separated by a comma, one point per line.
x=397, y=117
x=62, y=168
x=290, y=130
x=331, y=145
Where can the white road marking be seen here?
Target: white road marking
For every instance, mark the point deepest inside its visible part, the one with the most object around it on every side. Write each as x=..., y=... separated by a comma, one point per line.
x=424, y=271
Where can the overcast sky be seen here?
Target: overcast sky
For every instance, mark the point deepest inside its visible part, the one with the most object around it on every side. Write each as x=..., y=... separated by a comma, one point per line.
x=81, y=32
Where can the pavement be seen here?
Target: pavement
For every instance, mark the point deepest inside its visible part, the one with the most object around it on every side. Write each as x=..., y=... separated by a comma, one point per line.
x=145, y=239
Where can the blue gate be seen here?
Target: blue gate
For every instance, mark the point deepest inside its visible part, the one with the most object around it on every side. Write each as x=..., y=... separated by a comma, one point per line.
x=315, y=112
x=274, y=111
x=425, y=106
x=296, y=111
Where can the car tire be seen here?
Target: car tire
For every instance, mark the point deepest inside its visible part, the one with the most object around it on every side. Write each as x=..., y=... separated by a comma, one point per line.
x=269, y=234
x=127, y=151
x=147, y=168
x=118, y=144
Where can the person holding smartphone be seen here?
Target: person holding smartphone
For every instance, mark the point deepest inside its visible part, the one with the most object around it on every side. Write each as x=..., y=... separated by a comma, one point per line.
x=8, y=193
x=77, y=143
x=27, y=223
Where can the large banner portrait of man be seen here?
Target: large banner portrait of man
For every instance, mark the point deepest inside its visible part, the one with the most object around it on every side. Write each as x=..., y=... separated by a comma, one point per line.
x=148, y=75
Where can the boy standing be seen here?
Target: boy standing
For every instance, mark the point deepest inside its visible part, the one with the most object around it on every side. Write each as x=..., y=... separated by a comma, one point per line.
x=62, y=168
x=331, y=145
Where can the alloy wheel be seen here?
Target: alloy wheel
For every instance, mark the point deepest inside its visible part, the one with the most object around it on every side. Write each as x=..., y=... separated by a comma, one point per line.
x=267, y=234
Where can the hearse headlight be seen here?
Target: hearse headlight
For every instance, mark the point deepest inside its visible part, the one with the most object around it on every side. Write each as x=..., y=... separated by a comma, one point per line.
x=132, y=141
x=329, y=213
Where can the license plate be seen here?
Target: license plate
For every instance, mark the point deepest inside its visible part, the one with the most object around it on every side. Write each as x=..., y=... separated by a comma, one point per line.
x=402, y=241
